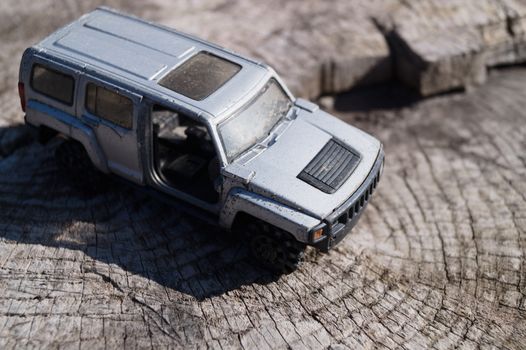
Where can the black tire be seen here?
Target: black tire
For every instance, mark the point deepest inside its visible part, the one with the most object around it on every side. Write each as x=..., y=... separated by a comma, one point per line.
x=273, y=248
x=75, y=164
x=72, y=157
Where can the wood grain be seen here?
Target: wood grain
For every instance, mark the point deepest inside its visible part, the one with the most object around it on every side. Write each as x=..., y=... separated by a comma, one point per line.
x=437, y=261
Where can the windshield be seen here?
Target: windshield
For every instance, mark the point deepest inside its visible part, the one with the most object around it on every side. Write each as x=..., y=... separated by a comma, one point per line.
x=255, y=121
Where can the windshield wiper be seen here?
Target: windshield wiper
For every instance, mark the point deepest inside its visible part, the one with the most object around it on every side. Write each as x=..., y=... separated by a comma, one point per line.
x=269, y=140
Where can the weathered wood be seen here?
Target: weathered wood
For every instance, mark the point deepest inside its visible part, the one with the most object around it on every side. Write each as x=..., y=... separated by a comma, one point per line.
x=324, y=47
x=441, y=45
x=437, y=261
x=319, y=47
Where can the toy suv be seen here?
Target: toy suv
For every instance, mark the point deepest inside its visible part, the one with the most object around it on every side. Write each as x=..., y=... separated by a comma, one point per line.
x=197, y=123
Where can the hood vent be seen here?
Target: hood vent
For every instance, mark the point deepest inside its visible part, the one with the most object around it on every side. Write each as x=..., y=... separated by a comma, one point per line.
x=331, y=167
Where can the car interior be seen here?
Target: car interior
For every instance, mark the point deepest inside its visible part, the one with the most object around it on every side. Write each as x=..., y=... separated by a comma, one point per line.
x=184, y=155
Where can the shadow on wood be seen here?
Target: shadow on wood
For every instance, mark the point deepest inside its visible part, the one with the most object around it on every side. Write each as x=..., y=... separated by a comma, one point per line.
x=116, y=224
x=387, y=96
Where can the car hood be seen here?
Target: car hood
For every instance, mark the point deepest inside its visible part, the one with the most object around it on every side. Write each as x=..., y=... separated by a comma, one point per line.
x=274, y=170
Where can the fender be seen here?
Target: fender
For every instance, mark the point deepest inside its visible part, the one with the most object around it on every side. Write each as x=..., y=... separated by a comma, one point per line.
x=240, y=200
x=39, y=114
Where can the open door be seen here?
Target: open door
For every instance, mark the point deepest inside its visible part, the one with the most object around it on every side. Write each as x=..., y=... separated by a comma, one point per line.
x=184, y=155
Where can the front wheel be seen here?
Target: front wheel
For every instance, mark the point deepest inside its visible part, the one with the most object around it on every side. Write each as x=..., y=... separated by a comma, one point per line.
x=274, y=248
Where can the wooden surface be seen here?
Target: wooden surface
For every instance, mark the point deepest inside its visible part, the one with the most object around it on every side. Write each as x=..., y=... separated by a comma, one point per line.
x=437, y=260
x=441, y=45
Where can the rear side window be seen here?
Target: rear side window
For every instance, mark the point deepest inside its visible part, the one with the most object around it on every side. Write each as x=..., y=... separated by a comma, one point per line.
x=54, y=84
x=109, y=105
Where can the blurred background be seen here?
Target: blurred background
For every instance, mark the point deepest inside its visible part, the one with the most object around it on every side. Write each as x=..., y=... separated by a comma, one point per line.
x=321, y=47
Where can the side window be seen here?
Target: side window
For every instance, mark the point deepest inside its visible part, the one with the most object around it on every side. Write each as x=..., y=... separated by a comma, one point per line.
x=109, y=105
x=54, y=84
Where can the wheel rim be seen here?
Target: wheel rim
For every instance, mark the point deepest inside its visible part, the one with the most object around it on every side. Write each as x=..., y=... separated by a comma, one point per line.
x=268, y=250
x=262, y=248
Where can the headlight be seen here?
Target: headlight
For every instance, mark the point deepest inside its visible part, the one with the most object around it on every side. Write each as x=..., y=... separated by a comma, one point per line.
x=317, y=233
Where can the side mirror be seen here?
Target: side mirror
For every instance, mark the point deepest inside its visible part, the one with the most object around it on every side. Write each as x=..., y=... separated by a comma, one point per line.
x=306, y=105
x=238, y=173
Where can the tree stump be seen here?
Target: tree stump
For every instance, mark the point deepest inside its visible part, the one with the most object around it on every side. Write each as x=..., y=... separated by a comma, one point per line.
x=437, y=260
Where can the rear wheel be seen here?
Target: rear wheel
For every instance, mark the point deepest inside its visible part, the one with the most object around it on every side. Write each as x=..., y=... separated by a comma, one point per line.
x=274, y=248
x=74, y=162
x=72, y=157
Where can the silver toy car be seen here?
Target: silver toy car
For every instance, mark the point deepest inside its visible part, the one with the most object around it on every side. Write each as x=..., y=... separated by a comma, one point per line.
x=202, y=125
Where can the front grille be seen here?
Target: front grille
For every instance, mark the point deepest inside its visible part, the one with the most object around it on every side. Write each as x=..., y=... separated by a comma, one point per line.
x=360, y=202
x=331, y=167
x=352, y=208
x=342, y=219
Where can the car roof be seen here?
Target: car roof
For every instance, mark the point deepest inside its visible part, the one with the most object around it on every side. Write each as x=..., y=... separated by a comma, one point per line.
x=142, y=53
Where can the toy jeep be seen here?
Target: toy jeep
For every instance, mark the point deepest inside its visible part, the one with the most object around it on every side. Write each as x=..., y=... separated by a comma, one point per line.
x=202, y=125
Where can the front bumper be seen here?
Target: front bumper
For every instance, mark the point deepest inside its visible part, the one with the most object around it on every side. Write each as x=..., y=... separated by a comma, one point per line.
x=343, y=219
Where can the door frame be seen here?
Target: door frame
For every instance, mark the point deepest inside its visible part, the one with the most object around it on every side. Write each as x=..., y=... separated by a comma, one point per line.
x=155, y=179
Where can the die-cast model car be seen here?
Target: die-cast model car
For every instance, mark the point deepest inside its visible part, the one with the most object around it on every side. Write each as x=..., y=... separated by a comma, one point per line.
x=202, y=125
